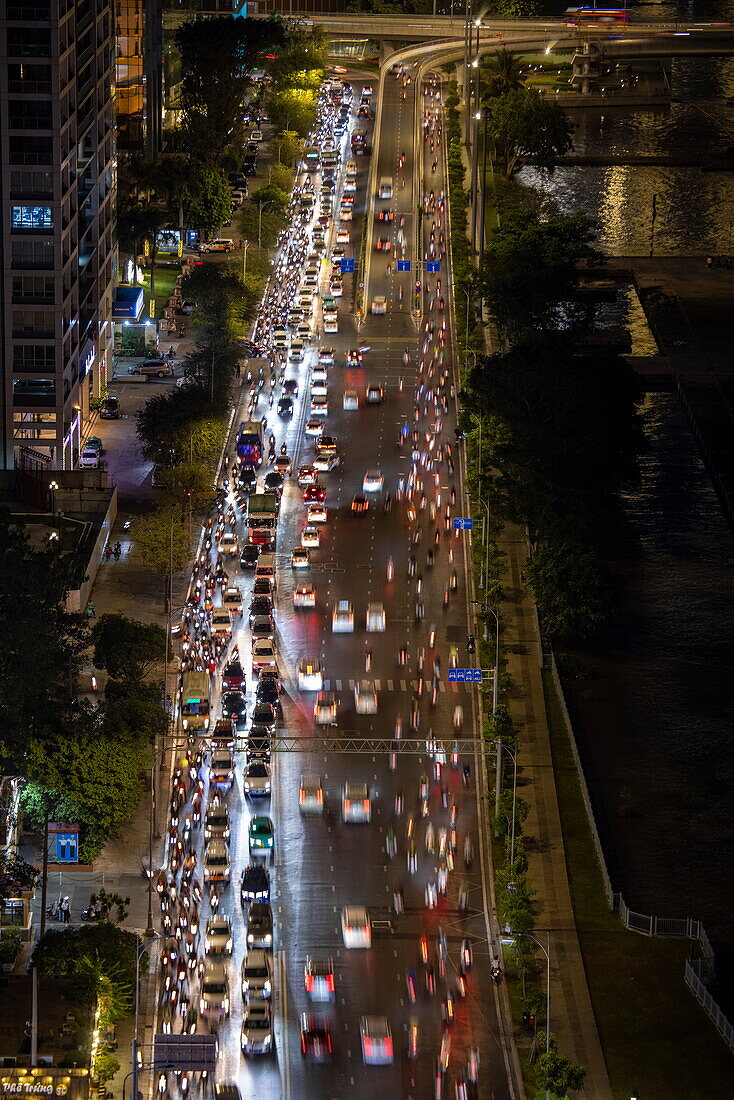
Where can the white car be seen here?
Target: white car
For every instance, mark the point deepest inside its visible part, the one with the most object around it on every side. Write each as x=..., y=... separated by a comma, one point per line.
x=304, y=596
x=376, y=1039
x=342, y=236
x=229, y=544
x=218, y=936
x=325, y=708
x=310, y=536
x=317, y=513
x=336, y=286
x=319, y=373
x=264, y=654
x=256, y=976
x=295, y=355
x=379, y=304
x=314, y=427
x=375, y=618
x=356, y=927
x=325, y=463
x=214, y=996
x=216, y=861
x=256, y=780
x=319, y=405
x=356, y=803
x=342, y=618
x=311, y=795
x=89, y=458
x=257, y=1029
x=331, y=324
x=372, y=482
x=300, y=558
x=350, y=186
x=351, y=401
x=310, y=674
x=221, y=770
x=365, y=697
x=326, y=357
x=319, y=387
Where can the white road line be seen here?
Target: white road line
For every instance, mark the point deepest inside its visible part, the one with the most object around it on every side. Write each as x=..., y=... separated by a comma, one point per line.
x=284, y=1063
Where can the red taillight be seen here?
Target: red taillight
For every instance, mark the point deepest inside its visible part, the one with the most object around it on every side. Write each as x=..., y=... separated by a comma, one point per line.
x=366, y=805
x=388, y=1047
x=367, y=1043
x=309, y=983
x=330, y=983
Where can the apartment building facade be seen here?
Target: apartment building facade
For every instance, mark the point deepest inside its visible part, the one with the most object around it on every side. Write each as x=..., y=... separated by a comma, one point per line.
x=57, y=190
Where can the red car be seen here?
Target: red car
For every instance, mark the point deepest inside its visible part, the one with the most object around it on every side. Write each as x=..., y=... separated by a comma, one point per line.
x=354, y=357
x=383, y=244
x=315, y=1037
x=314, y=493
x=233, y=677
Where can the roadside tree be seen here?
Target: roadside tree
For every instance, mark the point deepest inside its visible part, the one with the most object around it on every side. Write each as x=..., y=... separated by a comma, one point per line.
x=523, y=123
x=126, y=648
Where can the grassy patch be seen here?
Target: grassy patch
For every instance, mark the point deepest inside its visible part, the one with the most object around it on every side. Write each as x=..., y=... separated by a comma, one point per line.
x=165, y=281
x=658, y=1043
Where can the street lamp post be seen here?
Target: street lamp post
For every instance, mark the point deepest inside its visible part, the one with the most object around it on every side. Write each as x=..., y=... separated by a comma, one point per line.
x=138, y=954
x=545, y=948
x=246, y=245
x=53, y=486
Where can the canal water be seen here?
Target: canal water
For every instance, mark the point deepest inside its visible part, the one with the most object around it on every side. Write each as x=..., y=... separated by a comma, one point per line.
x=657, y=721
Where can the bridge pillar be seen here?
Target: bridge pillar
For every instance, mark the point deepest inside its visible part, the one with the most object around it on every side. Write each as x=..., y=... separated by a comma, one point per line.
x=387, y=49
x=587, y=68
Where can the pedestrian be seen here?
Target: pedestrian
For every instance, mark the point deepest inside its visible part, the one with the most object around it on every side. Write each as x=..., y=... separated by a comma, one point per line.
x=90, y=610
x=117, y=551
x=107, y=553
x=64, y=907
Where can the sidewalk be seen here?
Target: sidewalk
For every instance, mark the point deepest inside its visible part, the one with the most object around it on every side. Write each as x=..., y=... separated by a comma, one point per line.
x=572, y=1015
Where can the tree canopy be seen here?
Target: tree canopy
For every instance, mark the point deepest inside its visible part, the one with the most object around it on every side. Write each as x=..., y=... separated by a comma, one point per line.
x=127, y=648
x=524, y=123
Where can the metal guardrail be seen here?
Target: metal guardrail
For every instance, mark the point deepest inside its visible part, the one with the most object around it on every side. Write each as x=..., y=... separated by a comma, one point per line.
x=697, y=971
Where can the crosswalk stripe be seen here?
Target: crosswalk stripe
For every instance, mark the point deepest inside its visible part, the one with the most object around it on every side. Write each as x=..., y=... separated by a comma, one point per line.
x=351, y=685
x=327, y=685
x=390, y=685
x=338, y=685
x=441, y=685
x=403, y=685
x=377, y=686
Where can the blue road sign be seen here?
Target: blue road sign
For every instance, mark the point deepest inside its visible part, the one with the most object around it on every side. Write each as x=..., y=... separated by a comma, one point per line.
x=465, y=675
x=463, y=523
x=433, y=266
x=347, y=265
x=403, y=265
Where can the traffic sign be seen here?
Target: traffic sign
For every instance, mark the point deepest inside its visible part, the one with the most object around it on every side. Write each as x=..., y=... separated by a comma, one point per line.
x=463, y=523
x=433, y=266
x=185, y=1052
x=465, y=675
x=347, y=265
x=403, y=265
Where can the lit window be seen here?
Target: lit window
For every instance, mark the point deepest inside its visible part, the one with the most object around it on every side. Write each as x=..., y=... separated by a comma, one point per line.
x=31, y=217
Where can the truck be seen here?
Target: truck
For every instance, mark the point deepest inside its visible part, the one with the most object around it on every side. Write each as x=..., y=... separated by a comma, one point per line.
x=250, y=442
x=262, y=519
x=195, y=691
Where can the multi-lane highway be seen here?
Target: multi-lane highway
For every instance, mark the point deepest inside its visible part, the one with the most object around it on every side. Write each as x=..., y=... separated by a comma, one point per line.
x=415, y=866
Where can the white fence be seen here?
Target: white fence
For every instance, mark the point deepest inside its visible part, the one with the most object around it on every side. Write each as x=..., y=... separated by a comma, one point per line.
x=697, y=971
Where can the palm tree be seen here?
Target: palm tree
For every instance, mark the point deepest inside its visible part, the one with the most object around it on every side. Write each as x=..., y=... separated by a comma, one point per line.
x=503, y=72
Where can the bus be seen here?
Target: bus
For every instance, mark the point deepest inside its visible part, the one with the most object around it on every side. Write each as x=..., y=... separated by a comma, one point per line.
x=195, y=701
x=597, y=17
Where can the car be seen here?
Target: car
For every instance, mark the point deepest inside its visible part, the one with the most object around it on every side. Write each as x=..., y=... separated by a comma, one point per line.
x=256, y=976
x=221, y=622
x=268, y=689
x=280, y=339
x=221, y=769
x=249, y=556
x=261, y=835
x=263, y=586
x=311, y=795
x=256, y=135
x=110, y=409
x=327, y=444
x=376, y=1039
x=355, y=358
x=319, y=405
x=379, y=304
x=232, y=599
x=216, y=861
x=256, y=782
x=264, y=654
x=326, y=357
x=385, y=215
x=218, y=936
x=310, y=674
x=295, y=355
x=319, y=387
x=262, y=626
x=342, y=618
x=258, y=747
x=94, y=443
x=260, y=925
x=331, y=323
x=234, y=705
x=345, y=214
x=290, y=386
x=365, y=697
x=383, y=244
x=306, y=475
x=314, y=427
x=319, y=978
x=304, y=596
x=342, y=236
x=375, y=618
x=89, y=458
x=317, y=513
x=315, y=492
x=325, y=463
x=219, y=244
x=285, y=407
x=350, y=186
x=356, y=803
x=310, y=536
x=216, y=821
x=336, y=286
x=374, y=394
x=372, y=482
x=261, y=605
x=319, y=374
x=300, y=558
x=325, y=708
x=257, y=1029
x=356, y=927
x=229, y=544
x=283, y=463
x=315, y=1037
x=214, y=993
x=359, y=504
x=350, y=402
x=367, y=90
x=247, y=477
x=273, y=482
x=263, y=714
x=254, y=884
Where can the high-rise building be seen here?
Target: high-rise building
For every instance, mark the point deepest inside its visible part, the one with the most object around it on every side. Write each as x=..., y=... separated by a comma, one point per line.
x=130, y=105
x=57, y=183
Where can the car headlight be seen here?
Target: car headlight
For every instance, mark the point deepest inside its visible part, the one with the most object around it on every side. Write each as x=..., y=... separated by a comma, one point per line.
x=225, y=1004
x=267, y=1042
x=266, y=988
x=269, y=938
x=202, y=1005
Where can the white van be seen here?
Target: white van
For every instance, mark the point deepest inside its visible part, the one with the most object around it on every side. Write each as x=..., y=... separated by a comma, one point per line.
x=220, y=244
